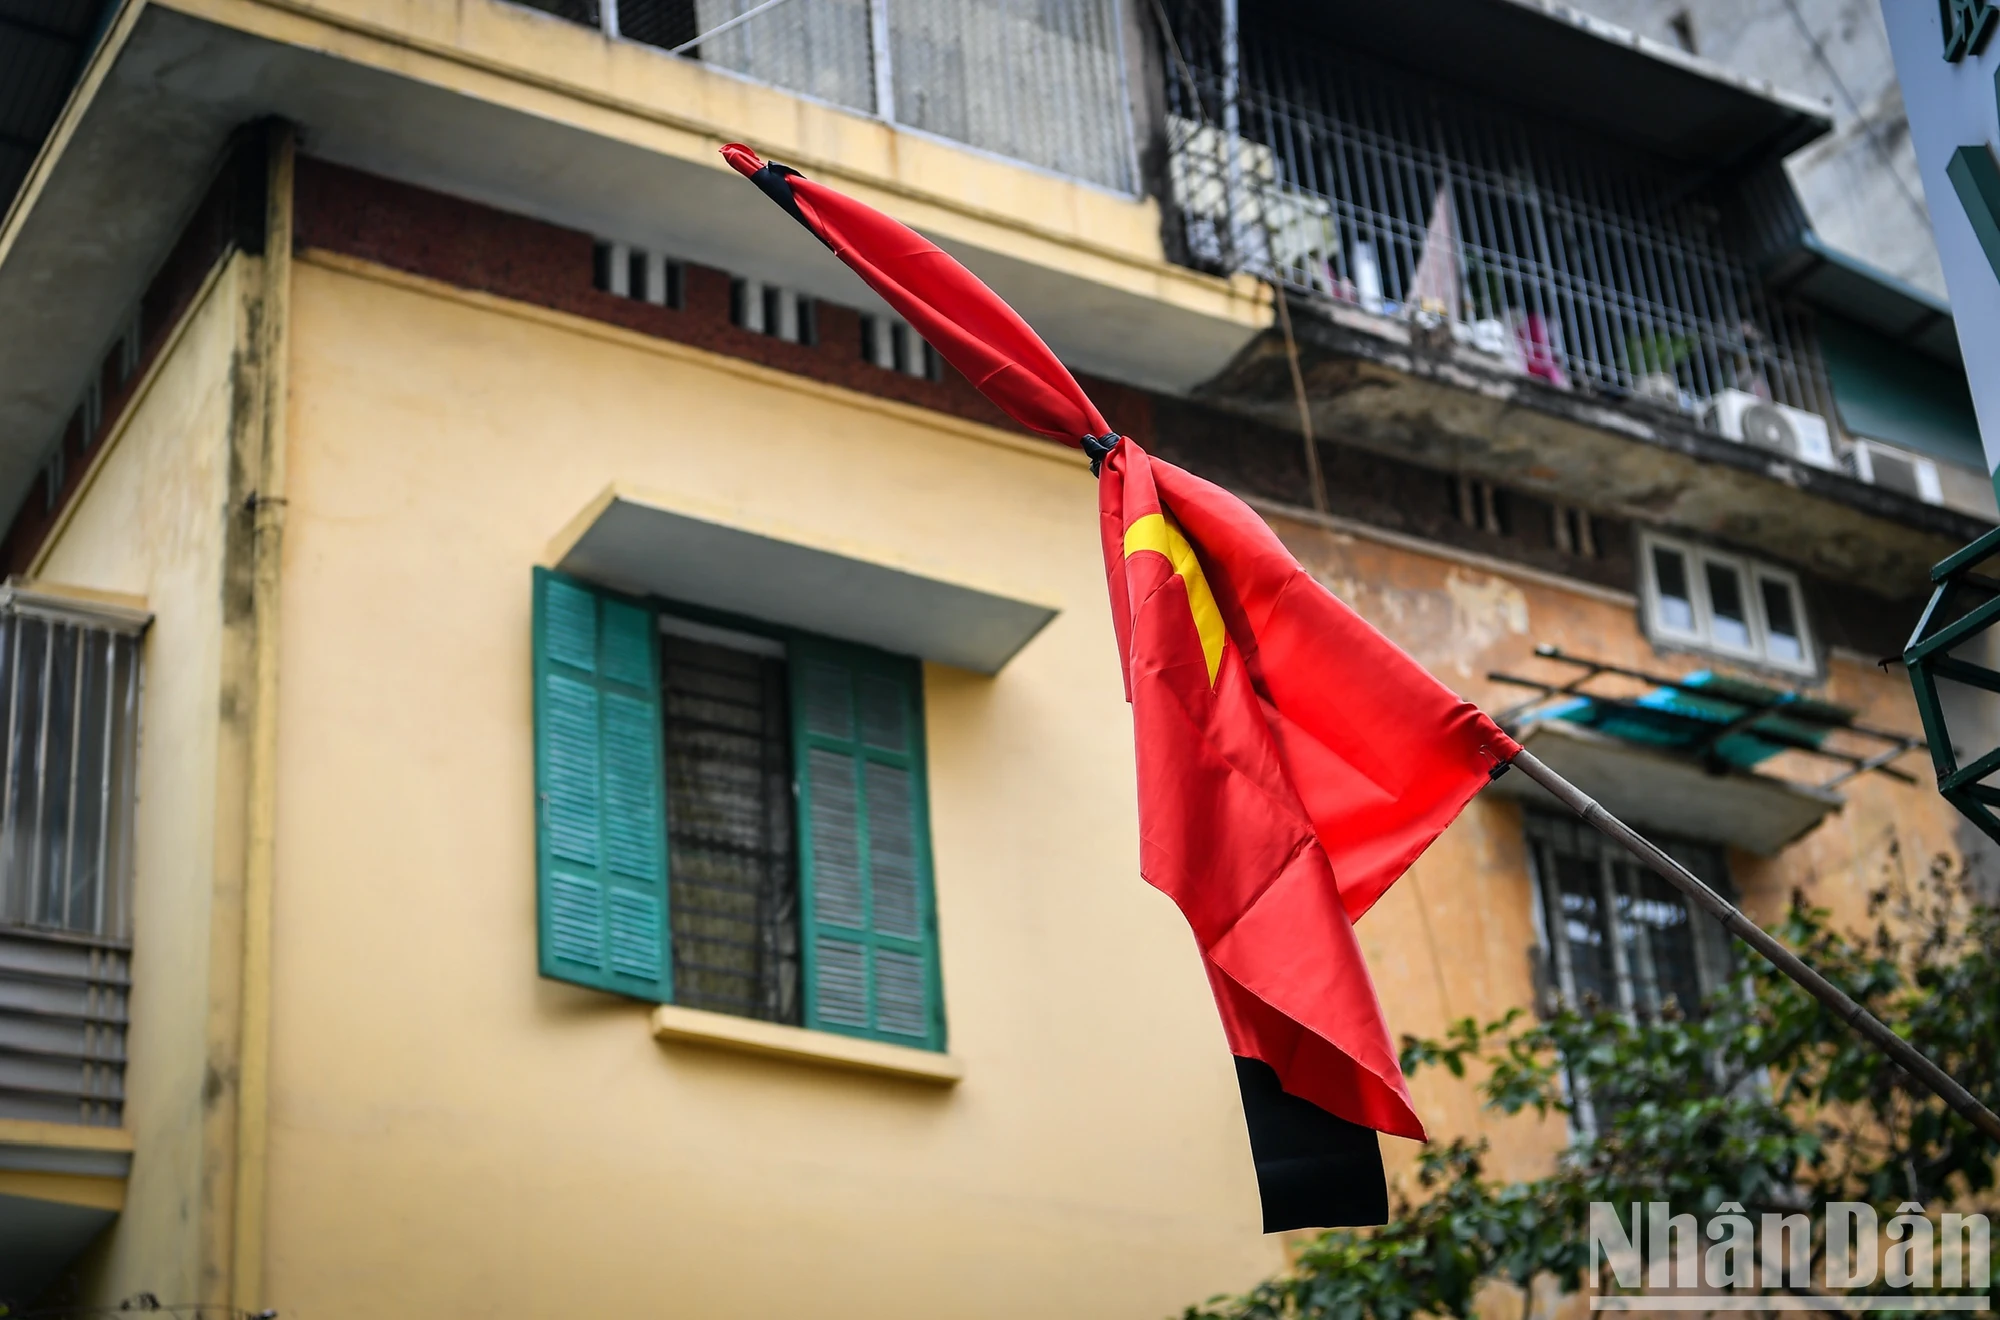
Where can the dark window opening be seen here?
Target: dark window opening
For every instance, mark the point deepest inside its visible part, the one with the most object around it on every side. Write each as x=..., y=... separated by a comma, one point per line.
x=773, y=300
x=600, y=267
x=1482, y=506
x=732, y=855
x=1670, y=577
x=662, y=23
x=576, y=11
x=1783, y=638
x=1729, y=622
x=1574, y=532
x=893, y=346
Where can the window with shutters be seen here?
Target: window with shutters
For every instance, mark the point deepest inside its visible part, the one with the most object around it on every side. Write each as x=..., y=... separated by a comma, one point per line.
x=733, y=817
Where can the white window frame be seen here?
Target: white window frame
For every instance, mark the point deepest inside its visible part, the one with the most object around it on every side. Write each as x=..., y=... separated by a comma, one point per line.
x=1753, y=574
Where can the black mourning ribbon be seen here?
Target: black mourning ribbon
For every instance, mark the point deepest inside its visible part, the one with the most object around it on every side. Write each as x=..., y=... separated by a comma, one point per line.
x=1099, y=448
x=773, y=180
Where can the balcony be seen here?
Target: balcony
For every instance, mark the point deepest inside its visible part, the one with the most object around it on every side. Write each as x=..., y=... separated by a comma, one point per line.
x=1518, y=242
x=1043, y=84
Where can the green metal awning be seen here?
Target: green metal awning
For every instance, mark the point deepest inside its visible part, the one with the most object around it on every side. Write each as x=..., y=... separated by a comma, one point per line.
x=1695, y=754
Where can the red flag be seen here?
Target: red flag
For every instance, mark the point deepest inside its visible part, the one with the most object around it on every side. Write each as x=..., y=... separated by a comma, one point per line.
x=971, y=327
x=1293, y=762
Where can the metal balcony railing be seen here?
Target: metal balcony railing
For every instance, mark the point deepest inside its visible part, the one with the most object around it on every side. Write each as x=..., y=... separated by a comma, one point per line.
x=1038, y=81
x=1589, y=266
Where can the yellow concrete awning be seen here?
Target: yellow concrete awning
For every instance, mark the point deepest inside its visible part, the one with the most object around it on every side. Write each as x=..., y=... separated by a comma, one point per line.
x=656, y=545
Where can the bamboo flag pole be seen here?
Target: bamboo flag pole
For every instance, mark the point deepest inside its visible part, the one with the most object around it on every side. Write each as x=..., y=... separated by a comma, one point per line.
x=1910, y=1059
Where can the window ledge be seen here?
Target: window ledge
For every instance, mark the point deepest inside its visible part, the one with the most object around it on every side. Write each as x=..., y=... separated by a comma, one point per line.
x=748, y=1036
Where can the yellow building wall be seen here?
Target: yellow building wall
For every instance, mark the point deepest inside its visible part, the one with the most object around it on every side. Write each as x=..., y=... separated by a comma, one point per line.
x=451, y=1134
x=151, y=523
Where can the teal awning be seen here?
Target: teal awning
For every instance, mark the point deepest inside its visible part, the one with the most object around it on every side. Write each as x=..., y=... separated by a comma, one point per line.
x=1735, y=722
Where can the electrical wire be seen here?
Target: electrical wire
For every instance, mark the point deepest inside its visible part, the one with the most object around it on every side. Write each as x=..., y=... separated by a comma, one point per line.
x=1854, y=107
x=723, y=27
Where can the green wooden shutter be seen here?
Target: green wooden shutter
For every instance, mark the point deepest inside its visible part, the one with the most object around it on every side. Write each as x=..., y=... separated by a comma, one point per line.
x=867, y=911
x=600, y=790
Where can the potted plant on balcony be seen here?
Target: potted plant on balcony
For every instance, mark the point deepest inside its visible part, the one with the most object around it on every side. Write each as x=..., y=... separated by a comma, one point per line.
x=1654, y=361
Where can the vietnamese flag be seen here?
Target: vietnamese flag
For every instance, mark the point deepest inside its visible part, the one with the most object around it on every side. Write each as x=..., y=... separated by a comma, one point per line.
x=1292, y=761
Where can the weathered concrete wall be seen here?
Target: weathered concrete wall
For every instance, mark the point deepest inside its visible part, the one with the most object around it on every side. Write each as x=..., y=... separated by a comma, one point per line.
x=151, y=522
x=1456, y=938
x=1859, y=183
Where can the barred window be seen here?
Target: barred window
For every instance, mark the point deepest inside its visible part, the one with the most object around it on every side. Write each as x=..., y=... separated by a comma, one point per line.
x=1618, y=935
x=731, y=858
x=69, y=709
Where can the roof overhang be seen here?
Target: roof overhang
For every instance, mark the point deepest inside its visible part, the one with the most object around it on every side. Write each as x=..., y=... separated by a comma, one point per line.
x=1840, y=282
x=728, y=560
x=136, y=149
x=1552, y=59
x=1649, y=789
x=41, y=50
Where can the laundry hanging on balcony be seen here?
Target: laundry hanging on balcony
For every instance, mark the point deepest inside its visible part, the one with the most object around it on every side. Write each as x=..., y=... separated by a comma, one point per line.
x=1292, y=761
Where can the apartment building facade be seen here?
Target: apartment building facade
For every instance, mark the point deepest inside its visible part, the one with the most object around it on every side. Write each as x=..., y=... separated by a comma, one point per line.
x=558, y=759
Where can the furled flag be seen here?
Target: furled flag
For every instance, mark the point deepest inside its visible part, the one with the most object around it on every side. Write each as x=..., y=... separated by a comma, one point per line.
x=1292, y=761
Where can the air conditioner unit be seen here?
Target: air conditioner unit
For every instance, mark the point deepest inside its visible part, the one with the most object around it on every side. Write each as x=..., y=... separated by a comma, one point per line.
x=1793, y=432
x=1898, y=470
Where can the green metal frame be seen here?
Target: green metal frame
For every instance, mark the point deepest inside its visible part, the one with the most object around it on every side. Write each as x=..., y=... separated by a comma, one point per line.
x=1927, y=660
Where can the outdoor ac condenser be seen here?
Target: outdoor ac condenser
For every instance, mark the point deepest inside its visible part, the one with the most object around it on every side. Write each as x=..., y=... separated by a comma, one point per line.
x=1793, y=432
x=1898, y=470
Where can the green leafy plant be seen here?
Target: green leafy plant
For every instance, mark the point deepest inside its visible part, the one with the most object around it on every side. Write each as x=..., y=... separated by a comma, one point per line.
x=1760, y=1098
x=1657, y=354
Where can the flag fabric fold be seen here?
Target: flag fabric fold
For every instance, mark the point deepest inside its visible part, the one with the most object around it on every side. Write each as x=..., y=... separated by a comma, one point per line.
x=969, y=325
x=1292, y=761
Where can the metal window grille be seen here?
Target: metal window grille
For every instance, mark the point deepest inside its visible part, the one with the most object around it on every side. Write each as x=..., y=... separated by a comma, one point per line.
x=732, y=857
x=1618, y=935
x=1037, y=80
x=69, y=699
x=1581, y=262
x=1040, y=81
